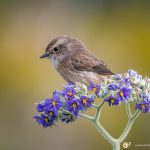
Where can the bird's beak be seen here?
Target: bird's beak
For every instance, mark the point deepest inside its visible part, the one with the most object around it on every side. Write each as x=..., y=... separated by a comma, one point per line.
x=45, y=55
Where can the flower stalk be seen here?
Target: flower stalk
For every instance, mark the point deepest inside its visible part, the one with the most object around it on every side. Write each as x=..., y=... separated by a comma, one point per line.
x=114, y=142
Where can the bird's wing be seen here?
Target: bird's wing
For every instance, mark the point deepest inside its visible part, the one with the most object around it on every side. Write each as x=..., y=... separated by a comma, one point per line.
x=88, y=62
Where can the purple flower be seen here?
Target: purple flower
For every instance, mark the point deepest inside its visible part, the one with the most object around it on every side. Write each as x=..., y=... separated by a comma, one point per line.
x=85, y=102
x=145, y=96
x=132, y=73
x=52, y=114
x=69, y=92
x=71, y=83
x=112, y=101
x=127, y=81
x=94, y=88
x=44, y=120
x=55, y=102
x=113, y=87
x=124, y=81
x=43, y=105
x=124, y=93
x=73, y=106
x=40, y=107
x=50, y=104
x=144, y=106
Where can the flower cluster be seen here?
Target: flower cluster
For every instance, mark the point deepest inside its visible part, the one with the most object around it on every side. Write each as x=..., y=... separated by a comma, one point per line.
x=141, y=93
x=128, y=87
x=116, y=90
x=49, y=109
x=144, y=101
x=66, y=105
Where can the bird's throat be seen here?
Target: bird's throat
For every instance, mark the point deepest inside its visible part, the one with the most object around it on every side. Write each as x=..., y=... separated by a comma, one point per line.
x=54, y=61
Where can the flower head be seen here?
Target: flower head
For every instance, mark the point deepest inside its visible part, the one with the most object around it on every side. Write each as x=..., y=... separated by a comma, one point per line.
x=134, y=76
x=73, y=106
x=132, y=73
x=144, y=106
x=56, y=102
x=94, y=88
x=52, y=113
x=124, y=93
x=145, y=96
x=69, y=92
x=40, y=107
x=44, y=120
x=113, y=86
x=86, y=102
x=50, y=104
x=112, y=101
x=127, y=81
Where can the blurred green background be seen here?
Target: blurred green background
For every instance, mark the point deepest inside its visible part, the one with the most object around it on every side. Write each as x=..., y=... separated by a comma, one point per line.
x=116, y=31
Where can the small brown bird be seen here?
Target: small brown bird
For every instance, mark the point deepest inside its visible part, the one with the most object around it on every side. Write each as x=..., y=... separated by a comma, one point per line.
x=75, y=62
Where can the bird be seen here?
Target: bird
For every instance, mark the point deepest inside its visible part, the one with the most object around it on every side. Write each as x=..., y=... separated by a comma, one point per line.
x=74, y=62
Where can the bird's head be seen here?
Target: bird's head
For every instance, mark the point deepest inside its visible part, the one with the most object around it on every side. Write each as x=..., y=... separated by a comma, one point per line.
x=61, y=47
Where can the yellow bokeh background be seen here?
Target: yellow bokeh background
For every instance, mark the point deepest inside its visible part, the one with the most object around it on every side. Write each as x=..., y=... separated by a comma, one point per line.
x=116, y=31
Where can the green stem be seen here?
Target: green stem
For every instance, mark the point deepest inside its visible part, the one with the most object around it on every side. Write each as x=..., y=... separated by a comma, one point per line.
x=129, y=126
x=136, y=114
x=115, y=142
x=87, y=117
x=128, y=109
x=95, y=105
x=99, y=127
x=104, y=133
x=116, y=146
x=98, y=111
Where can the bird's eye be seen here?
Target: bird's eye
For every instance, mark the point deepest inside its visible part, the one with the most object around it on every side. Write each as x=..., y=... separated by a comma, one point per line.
x=56, y=49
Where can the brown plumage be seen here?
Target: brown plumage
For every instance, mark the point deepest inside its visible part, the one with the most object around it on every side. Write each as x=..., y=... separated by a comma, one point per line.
x=74, y=62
